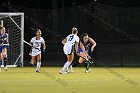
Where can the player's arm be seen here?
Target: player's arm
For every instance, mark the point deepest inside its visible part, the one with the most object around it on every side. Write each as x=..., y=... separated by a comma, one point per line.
x=82, y=46
x=93, y=44
x=31, y=42
x=83, y=49
x=76, y=47
x=64, y=41
x=44, y=46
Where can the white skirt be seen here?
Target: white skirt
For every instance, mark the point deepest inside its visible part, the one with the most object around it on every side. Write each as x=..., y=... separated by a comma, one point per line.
x=35, y=53
x=68, y=49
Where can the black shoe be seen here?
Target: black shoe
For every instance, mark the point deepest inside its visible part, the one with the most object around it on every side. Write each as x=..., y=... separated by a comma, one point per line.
x=37, y=71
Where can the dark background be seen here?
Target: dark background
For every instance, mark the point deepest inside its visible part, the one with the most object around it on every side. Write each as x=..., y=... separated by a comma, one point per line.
x=113, y=24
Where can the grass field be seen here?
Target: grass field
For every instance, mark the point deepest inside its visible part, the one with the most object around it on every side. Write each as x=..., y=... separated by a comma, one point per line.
x=100, y=80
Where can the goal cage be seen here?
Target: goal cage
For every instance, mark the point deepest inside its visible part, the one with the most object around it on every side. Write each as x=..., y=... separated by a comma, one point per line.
x=14, y=25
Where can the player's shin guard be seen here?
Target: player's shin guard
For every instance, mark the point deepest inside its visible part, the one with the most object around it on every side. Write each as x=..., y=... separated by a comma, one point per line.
x=0, y=63
x=87, y=65
x=5, y=61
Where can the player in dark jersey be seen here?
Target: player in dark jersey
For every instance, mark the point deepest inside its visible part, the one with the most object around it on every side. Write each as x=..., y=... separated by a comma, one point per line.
x=3, y=46
x=83, y=50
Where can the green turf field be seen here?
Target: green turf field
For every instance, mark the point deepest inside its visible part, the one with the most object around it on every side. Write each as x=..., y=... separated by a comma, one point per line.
x=100, y=80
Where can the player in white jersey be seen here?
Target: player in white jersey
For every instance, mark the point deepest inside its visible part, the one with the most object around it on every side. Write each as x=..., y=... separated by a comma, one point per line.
x=36, y=42
x=70, y=42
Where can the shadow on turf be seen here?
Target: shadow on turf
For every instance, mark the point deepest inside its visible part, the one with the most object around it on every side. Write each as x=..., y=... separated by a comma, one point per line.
x=121, y=76
x=49, y=75
x=58, y=80
x=63, y=83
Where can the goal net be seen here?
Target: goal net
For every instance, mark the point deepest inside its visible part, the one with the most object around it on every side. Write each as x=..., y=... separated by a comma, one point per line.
x=14, y=24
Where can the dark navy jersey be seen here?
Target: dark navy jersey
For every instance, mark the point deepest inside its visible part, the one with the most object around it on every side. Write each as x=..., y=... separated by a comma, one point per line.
x=86, y=44
x=3, y=38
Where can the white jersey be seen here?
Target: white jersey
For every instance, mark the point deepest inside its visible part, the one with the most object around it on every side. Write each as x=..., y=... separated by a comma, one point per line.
x=71, y=39
x=70, y=42
x=37, y=44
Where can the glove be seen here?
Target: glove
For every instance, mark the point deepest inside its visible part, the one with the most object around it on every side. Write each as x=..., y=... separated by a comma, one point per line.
x=77, y=53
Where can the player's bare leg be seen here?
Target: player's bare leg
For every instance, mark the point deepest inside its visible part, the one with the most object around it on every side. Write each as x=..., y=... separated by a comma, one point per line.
x=70, y=59
x=66, y=65
x=33, y=59
x=4, y=55
x=31, y=62
x=82, y=59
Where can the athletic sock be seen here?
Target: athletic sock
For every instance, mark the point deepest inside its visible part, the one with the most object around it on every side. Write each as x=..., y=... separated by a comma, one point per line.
x=38, y=66
x=63, y=69
x=87, y=65
x=5, y=62
x=66, y=65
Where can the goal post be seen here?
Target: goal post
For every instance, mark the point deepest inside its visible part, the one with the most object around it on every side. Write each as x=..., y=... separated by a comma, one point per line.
x=14, y=24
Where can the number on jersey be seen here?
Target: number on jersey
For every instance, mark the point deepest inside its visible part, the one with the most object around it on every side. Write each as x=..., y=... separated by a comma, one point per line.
x=71, y=37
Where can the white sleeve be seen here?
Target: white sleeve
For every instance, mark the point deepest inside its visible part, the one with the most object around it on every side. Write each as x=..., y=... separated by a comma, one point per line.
x=77, y=39
x=6, y=34
x=67, y=38
x=32, y=40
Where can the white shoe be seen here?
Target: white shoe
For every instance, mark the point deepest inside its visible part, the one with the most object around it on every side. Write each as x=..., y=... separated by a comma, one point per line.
x=63, y=72
x=5, y=68
x=87, y=71
x=37, y=71
x=71, y=68
x=67, y=70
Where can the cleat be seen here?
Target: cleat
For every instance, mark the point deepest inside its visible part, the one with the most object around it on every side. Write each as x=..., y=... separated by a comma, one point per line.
x=88, y=71
x=63, y=72
x=6, y=68
x=37, y=71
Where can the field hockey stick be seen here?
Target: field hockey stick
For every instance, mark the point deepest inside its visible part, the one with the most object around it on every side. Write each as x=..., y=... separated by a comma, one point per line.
x=30, y=45
x=27, y=43
x=87, y=59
